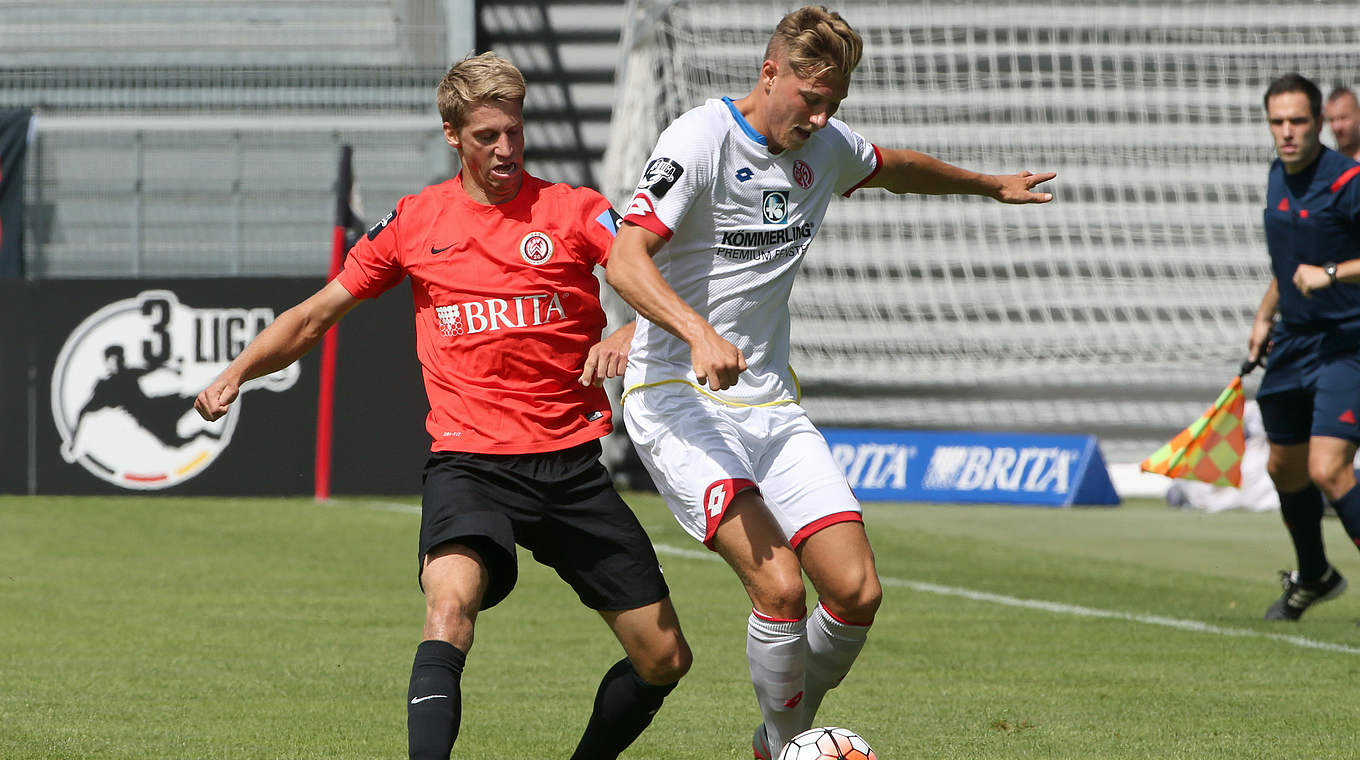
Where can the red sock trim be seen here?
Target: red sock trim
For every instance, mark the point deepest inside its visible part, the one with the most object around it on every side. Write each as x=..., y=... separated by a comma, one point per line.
x=842, y=620
x=769, y=619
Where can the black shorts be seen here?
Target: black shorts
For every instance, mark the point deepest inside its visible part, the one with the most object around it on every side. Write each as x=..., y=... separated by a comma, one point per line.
x=560, y=505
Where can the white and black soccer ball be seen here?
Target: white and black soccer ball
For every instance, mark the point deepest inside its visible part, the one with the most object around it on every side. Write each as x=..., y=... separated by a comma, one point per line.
x=827, y=744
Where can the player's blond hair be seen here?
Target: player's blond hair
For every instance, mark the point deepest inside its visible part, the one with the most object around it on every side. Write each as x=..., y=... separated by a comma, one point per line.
x=477, y=79
x=816, y=42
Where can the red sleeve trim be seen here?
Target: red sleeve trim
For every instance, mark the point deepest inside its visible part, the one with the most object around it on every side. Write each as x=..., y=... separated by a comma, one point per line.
x=717, y=498
x=642, y=213
x=878, y=164
x=1344, y=178
x=824, y=522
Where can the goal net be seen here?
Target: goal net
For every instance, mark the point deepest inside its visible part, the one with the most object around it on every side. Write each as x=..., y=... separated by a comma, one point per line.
x=1121, y=308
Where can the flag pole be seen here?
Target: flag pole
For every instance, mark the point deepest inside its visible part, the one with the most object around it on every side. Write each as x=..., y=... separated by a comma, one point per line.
x=325, y=400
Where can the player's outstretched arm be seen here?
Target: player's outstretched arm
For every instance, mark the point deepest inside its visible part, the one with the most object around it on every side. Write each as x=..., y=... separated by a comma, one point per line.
x=634, y=276
x=1258, y=344
x=291, y=335
x=909, y=171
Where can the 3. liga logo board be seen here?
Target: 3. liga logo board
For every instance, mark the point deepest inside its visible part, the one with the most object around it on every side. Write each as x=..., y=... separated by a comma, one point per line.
x=124, y=383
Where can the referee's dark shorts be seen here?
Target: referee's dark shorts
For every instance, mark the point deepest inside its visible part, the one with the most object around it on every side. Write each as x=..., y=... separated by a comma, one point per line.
x=560, y=505
x=1311, y=385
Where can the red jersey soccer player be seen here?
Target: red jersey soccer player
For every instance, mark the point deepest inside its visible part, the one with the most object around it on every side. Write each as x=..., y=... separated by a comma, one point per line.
x=507, y=322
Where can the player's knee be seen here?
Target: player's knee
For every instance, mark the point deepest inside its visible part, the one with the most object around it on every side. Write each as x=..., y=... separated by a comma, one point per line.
x=1287, y=476
x=782, y=597
x=667, y=665
x=1333, y=478
x=857, y=601
x=451, y=620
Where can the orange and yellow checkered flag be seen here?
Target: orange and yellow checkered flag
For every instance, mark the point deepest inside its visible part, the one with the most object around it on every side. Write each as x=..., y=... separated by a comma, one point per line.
x=1210, y=450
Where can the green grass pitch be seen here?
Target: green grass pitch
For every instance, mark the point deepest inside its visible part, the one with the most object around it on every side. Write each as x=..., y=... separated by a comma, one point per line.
x=162, y=627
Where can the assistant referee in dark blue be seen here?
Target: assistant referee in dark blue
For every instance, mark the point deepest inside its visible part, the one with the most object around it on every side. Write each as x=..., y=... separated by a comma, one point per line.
x=1308, y=332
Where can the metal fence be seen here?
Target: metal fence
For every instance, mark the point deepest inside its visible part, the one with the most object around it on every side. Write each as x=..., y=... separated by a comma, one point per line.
x=199, y=138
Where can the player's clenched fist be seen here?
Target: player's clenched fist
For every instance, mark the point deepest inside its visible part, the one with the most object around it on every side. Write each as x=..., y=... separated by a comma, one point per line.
x=212, y=403
x=717, y=363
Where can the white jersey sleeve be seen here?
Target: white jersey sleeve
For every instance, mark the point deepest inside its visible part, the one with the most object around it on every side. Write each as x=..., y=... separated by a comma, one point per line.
x=858, y=159
x=679, y=170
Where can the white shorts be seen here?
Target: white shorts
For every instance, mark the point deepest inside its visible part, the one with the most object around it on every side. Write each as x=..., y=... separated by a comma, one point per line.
x=702, y=452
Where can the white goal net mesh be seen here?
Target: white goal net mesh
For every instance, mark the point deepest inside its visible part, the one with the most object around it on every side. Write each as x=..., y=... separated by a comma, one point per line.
x=1120, y=309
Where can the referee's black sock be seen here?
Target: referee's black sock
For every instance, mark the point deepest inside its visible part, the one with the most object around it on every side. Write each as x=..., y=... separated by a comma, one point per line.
x=1302, y=514
x=624, y=706
x=1348, y=509
x=434, y=702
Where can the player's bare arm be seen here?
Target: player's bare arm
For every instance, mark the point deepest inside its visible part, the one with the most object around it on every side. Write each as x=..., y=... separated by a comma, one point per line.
x=634, y=276
x=909, y=171
x=291, y=335
x=1258, y=345
x=609, y=357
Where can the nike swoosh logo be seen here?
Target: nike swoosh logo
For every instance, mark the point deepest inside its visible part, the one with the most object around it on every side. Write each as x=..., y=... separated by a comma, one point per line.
x=436, y=251
x=418, y=700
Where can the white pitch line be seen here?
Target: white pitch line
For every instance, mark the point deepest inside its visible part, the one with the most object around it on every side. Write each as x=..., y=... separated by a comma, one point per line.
x=379, y=506
x=1193, y=626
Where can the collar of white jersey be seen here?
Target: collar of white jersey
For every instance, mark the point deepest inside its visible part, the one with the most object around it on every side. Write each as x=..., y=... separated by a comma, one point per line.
x=744, y=124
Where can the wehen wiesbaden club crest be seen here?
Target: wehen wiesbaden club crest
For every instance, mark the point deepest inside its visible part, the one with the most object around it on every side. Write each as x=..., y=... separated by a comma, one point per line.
x=125, y=380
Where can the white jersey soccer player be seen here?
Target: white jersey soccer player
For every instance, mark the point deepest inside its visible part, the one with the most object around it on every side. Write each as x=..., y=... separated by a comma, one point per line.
x=738, y=221
x=711, y=241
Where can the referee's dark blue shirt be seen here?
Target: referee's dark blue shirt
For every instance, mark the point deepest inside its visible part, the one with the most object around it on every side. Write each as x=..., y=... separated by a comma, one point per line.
x=1313, y=217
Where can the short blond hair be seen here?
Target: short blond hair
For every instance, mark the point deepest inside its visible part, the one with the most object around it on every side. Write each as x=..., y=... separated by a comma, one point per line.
x=477, y=79
x=816, y=42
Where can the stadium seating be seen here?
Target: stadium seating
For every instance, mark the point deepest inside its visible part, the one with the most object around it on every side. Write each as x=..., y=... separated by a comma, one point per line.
x=199, y=138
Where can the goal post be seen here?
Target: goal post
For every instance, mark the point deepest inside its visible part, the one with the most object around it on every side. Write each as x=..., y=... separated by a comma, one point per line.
x=1119, y=309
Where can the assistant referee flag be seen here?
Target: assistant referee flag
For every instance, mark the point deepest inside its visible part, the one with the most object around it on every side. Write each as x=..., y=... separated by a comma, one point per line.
x=1210, y=450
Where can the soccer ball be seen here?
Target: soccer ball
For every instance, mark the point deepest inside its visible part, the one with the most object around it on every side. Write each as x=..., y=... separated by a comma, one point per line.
x=827, y=744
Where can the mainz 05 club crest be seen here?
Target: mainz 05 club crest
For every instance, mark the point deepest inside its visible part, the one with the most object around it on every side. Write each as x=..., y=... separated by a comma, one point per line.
x=125, y=380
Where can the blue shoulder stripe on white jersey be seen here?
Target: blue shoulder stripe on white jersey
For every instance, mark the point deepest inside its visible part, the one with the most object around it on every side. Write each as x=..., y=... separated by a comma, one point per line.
x=745, y=125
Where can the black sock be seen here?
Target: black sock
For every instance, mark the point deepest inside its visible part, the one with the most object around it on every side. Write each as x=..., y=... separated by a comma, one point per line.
x=434, y=703
x=624, y=706
x=1348, y=509
x=1302, y=514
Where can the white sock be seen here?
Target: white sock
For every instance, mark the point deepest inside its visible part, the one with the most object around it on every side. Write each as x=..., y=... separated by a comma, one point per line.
x=776, y=651
x=832, y=649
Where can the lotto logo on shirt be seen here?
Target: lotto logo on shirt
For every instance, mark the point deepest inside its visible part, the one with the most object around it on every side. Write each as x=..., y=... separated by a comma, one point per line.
x=495, y=314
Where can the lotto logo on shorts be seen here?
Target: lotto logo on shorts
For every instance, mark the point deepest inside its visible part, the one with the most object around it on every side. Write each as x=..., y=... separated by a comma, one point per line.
x=717, y=498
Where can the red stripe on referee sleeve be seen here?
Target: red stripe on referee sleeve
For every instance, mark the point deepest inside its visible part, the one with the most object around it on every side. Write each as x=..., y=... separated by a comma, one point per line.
x=824, y=522
x=1344, y=178
x=878, y=164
